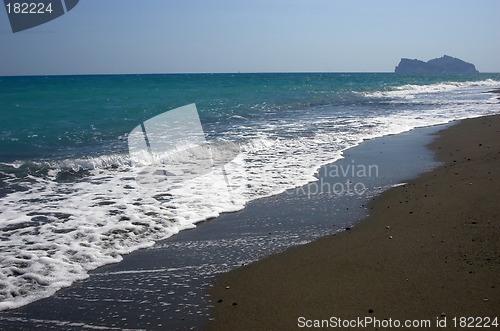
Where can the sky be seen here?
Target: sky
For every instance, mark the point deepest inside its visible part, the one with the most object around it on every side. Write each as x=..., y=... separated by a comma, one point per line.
x=212, y=36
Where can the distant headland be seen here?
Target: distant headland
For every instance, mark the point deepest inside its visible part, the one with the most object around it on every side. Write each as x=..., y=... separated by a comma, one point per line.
x=442, y=65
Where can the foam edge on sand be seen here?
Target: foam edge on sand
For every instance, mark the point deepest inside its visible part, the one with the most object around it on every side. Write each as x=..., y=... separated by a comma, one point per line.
x=429, y=251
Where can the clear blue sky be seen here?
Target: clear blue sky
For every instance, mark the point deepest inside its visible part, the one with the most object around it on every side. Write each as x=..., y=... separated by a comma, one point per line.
x=176, y=36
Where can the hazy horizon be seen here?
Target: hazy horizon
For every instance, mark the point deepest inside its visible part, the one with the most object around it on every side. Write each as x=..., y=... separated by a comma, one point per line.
x=238, y=73
x=272, y=36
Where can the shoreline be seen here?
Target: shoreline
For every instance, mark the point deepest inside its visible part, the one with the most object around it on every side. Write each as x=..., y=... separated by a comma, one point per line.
x=181, y=268
x=430, y=249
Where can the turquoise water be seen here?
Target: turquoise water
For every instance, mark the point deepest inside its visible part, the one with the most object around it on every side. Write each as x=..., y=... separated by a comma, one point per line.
x=70, y=201
x=61, y=116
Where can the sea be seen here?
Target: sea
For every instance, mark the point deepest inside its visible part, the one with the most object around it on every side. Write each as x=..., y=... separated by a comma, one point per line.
x=75, y=193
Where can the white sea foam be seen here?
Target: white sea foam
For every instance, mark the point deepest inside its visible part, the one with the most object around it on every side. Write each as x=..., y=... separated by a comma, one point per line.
x=410, y=91
x=55, y=231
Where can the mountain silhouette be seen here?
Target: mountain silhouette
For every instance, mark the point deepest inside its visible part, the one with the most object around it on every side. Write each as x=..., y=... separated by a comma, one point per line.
x=445, y=64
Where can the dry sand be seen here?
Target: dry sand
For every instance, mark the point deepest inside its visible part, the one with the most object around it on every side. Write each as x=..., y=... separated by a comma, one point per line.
x=430, y=248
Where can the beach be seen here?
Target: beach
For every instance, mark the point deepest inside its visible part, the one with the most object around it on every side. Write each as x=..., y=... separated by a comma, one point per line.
x=166, y=286
x=429, y=251
x=86, y=245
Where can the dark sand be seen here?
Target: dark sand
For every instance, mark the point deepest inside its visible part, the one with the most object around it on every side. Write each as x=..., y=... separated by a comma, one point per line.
x=430, y=248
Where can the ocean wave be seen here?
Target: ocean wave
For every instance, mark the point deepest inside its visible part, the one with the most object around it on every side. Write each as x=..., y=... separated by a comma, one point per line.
x=409, y=91
x=106, y=161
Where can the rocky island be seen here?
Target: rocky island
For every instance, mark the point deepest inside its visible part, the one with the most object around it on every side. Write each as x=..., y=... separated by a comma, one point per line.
x=445, y=64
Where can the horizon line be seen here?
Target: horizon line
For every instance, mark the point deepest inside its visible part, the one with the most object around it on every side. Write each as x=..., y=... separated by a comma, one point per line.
x=221, y=73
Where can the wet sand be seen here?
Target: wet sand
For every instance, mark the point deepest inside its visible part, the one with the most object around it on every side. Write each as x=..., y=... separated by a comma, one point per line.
x=430, y=251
